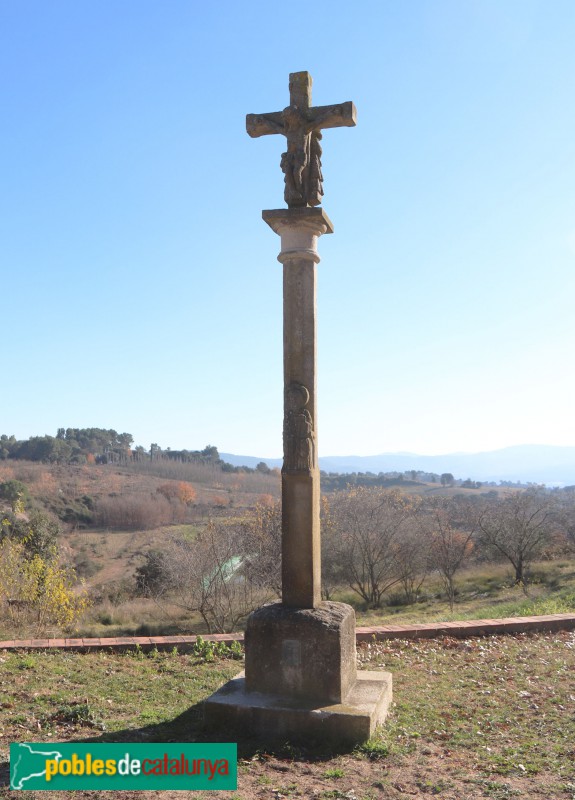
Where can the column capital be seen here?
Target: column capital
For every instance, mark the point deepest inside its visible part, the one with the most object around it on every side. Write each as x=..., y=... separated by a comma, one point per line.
x=299, y=229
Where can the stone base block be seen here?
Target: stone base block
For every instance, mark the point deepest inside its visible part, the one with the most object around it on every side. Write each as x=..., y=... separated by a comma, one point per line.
x=305, y=653
x=273, y=717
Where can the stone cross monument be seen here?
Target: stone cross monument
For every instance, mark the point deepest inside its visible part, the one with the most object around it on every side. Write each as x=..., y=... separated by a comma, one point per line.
x=299, y=226
x=301, y=124
x=301, y=678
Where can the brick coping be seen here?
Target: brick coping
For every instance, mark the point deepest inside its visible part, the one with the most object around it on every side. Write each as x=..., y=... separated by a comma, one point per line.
x=428, y=630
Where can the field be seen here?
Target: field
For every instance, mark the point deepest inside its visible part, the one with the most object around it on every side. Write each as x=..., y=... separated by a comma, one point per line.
x=54, y=486
x=483, y=718
x=106, y=557
x=478, y=718
x=484, y=593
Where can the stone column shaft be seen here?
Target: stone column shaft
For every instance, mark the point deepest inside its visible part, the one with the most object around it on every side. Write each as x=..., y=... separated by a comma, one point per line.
x=299, y=229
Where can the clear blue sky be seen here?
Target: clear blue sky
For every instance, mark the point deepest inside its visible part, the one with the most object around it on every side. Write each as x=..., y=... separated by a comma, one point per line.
x=140, y=287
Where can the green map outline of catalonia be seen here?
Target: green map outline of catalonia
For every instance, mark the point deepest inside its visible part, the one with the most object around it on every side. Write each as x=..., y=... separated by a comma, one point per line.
x=16, y=783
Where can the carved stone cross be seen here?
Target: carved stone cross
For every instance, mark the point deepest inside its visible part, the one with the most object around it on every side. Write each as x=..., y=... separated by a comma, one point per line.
x=299, y=227
x=301, y=124
x=300, y=677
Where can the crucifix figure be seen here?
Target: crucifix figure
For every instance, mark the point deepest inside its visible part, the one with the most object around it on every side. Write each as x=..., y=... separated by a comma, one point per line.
x=301, y=124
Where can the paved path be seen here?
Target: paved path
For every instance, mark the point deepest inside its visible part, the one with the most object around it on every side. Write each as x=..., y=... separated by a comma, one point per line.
x=429, y=630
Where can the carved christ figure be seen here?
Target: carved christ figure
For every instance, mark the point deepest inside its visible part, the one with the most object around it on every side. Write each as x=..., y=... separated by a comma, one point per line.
x=301, y=163
x=301, y=124
x=299, y=445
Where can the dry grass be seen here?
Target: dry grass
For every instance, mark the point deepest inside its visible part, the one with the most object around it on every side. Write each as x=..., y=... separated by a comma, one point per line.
x=478, y=718
x=52, y=485
x=484, y=591
x=108, y=557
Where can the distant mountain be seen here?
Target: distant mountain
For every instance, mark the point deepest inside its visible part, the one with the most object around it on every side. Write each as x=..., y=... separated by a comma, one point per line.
x=250, y=461
x=551, y=465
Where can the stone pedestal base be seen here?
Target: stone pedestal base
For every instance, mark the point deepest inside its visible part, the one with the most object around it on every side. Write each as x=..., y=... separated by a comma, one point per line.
x=304, y=653
x=273, y=717
x=301, y=679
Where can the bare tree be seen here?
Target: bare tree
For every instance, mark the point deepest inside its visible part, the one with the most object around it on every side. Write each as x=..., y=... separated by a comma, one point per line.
x=261, y=538
x=332, y=572
x=140, y=511
x=413, y=559
x=228, y=570
x=368, y=521
x=517, y=526
x=450, y=526
x=563, y=540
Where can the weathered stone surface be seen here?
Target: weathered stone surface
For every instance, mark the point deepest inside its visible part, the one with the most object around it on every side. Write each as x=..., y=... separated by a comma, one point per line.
x=301, y=548
x=301, y=124
x=305, y=654
x=299, y=229
x=272, y=717
x=301, y=677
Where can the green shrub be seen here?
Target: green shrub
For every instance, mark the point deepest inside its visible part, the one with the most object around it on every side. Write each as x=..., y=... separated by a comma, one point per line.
x=85, y=566
x=16, y=494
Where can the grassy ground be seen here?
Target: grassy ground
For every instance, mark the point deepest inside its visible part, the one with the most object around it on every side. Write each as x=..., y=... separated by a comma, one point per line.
x=484, y=592
x=107, y=559
x=471, y=719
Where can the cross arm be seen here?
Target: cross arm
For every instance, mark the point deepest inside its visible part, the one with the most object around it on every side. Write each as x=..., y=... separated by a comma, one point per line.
x=335, y=116
x=264, y=124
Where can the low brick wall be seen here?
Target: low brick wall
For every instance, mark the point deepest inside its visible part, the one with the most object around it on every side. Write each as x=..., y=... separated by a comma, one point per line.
x=475, y=627
x=119, y=644
x=430, y=630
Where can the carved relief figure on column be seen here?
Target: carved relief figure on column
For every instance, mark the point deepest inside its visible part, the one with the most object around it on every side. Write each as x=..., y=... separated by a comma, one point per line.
x=299, y=444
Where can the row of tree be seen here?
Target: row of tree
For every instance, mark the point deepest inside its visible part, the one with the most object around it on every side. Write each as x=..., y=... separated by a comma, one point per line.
x=107, y=446
x=374, y=541
x=69, y=446
x=95, y=445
